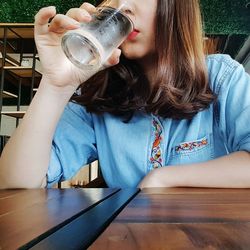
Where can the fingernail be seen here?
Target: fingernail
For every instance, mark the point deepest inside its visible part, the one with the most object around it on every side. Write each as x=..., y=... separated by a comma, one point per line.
x=86, y=16
x=52, y=7
x=73, y=25
x=76, y=23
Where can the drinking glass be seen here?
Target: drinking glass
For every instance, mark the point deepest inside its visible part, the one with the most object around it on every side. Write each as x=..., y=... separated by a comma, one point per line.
x=93, y=43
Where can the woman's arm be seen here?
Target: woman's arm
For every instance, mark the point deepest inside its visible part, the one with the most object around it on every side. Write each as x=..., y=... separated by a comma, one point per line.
x=230, y=171
x=25, y=159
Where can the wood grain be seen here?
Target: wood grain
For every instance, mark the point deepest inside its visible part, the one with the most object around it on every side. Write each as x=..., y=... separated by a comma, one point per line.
x=188, y=208
x=81, y=232
x=29, y=214
x=181, y=219
x=157, y=236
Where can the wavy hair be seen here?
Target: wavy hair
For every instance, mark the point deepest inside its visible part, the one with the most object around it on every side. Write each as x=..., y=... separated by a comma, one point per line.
x=180, y=89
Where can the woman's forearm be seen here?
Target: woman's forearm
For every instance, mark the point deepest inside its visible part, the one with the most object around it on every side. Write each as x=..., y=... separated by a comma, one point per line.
x=25, y=158
x=230, y=171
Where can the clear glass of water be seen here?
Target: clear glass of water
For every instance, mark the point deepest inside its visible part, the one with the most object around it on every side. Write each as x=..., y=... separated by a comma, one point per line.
x=93, y=43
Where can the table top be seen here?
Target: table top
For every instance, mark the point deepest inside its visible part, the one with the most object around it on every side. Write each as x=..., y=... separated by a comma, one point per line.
x=154, y=218
x=28, y=217
x=181, y=218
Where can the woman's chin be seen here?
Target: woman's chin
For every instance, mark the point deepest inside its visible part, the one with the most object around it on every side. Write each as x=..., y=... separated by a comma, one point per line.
x=132, y=54
x=131, y=57
x=135, y=51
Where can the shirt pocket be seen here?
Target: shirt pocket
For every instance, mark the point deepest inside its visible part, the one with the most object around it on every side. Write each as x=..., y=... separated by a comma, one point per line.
x=195, y=151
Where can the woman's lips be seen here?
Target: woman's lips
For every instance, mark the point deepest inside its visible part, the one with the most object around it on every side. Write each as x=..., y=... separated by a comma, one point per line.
x=133, y=34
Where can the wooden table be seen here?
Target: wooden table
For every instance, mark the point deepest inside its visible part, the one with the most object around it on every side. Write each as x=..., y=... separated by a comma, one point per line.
x=184, y=218
x=57, y=218
x=179, y=218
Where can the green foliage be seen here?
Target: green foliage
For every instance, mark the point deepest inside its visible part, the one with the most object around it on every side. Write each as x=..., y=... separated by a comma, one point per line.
x=23, y=11
x=220, y=16
x=226, y=16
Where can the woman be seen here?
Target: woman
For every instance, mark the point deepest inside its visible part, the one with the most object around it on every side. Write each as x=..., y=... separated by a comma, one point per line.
x=160, y=115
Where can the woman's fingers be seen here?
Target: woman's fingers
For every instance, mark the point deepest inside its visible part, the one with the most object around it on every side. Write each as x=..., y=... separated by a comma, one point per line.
x=61, y=23
x=80, y=15
x=88, y=7
x=42, y=19
x=113, y=59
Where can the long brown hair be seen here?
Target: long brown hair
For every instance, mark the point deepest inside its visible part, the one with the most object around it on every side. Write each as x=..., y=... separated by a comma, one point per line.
x=180, y=89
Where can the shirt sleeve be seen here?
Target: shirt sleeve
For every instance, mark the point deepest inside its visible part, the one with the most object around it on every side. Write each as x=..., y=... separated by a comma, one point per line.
x=73, y=145
x=233, y=107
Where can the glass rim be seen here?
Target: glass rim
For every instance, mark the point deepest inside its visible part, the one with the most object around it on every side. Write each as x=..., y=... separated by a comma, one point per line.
x=118, y=11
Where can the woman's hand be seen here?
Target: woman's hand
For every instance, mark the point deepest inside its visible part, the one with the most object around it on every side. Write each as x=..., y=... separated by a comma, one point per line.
x=57, y=69
x=160, y=177
x=217, y=173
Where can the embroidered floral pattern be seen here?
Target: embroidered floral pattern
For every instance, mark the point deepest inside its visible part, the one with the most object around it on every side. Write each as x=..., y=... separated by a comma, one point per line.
x=187, y=146
x=156, y=153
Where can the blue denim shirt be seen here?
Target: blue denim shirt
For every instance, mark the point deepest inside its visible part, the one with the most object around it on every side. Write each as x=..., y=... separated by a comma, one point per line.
x=124, y=150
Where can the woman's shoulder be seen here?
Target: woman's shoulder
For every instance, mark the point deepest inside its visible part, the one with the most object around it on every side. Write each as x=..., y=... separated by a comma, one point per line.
x=222, y=60
x=220, y=64
x=220, y=67
x=74, y=115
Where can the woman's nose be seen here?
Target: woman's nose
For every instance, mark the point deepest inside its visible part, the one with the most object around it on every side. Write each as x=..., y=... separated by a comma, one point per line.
x=126, y=7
